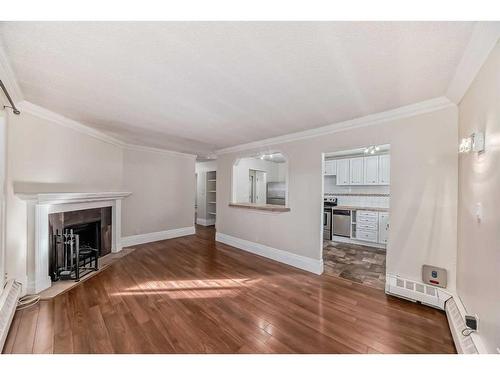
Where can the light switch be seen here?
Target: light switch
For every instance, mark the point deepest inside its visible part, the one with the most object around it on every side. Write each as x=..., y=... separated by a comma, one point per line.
x=479, y=212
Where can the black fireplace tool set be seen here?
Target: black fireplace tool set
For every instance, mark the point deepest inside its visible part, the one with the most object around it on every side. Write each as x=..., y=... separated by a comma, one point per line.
x=77, y=260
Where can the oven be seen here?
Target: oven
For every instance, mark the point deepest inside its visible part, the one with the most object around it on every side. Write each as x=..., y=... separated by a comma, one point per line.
x=328, y=204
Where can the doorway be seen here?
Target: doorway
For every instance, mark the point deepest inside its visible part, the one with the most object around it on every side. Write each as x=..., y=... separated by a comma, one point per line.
x=356, y=212
x=257, y=186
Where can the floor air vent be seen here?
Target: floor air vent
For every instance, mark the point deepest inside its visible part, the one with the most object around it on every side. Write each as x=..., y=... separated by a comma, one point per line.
x=415, y=291
x=8, y=302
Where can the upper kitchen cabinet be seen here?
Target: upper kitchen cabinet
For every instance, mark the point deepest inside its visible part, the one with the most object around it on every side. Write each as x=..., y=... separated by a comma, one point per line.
x=330, y=167
x=384, y=169
x=371, y=170
x=356, y=169
x=343, y=172
x=363, y=170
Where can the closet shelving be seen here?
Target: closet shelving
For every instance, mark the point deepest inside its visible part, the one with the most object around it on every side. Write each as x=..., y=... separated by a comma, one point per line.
x=211, y=192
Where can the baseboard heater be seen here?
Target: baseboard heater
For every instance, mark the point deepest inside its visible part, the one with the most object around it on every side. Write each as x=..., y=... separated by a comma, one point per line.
x=416, y=291
x=8, y=302
x=440, y=299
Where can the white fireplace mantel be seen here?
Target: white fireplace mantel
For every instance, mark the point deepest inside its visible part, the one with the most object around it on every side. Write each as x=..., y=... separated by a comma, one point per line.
x=40, y=205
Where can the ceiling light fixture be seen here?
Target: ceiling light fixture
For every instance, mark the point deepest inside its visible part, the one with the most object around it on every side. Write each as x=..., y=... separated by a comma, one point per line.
x=372, y=149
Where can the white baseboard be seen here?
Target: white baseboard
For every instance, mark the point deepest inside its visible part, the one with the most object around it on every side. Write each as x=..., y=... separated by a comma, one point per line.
x=205, y=222
x=156, y=236
x=299, y=261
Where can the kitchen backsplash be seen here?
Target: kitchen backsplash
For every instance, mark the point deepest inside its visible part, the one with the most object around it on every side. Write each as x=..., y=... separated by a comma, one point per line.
x=362, y=200
x=332, y=187
x=363, y=196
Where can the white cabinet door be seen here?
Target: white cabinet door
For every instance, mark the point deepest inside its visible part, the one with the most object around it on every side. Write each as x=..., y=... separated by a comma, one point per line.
x=383, y=227
x=371, y=170
x=384, y=169
x=330, y=167
x=356, y=171
x=343, y=172
x=333, y=168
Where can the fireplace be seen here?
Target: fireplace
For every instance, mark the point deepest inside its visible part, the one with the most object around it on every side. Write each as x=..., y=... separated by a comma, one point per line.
x=93, y=227
x=39, y=206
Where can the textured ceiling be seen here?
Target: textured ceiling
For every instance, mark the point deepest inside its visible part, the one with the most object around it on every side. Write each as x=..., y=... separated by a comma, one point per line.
x=201, y=86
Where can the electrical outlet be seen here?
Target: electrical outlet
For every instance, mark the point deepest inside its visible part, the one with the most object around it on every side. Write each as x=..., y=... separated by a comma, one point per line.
x=472, y=322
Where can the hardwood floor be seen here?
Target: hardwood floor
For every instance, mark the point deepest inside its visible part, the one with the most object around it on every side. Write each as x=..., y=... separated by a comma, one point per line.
x=193, y=295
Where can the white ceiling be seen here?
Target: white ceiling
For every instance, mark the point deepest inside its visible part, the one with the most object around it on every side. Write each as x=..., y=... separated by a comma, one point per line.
x=201, y=86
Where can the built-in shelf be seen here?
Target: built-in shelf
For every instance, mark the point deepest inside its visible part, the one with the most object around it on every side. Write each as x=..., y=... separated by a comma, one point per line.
x=211, y=190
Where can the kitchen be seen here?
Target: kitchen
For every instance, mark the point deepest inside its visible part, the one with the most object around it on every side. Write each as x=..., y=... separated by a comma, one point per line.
x=356, y=200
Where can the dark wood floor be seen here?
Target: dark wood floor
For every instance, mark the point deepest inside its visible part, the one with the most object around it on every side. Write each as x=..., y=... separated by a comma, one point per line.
x=193, y=295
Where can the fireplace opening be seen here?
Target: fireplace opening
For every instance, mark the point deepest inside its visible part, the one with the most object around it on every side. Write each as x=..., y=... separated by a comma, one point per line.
x=89, y=234
x=89, y=230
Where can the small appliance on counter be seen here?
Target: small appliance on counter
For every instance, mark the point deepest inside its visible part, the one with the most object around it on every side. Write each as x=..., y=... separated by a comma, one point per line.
x=328, y=204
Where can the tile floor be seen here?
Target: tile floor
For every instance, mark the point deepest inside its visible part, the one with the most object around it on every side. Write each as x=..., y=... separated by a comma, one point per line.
x=361, y=264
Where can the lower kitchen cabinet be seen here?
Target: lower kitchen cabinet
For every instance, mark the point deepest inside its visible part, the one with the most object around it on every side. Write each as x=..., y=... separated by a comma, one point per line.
x=370, y=226
x=383, y=227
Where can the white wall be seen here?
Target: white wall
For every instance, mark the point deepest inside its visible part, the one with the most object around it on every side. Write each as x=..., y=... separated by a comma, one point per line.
x=3, y=167
x=478, y=278
x=163, y=188
x=45, y=156
x=423, y=193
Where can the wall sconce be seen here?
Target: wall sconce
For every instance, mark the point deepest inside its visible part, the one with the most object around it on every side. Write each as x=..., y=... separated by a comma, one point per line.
x=474, y=143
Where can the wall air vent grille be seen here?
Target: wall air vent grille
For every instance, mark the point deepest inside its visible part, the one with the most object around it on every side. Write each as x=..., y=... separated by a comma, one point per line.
x=430, y=290
x=410, y=285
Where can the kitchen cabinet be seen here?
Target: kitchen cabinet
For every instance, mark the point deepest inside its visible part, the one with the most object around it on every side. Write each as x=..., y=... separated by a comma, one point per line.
x=367, y=226
x=383, y=227
x=356, y=171
x=371, y=169
x=343, y=172
x=384, y=169
x=330, y=167
x=368, y=170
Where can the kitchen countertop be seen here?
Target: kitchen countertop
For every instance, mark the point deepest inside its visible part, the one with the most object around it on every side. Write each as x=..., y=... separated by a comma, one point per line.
x=360, y=208
x=261, y=207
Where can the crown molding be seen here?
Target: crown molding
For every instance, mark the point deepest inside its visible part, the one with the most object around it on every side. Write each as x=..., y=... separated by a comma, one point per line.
x=8, y=77
x=54, y=117
x=370, y=120
x=483, y=39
